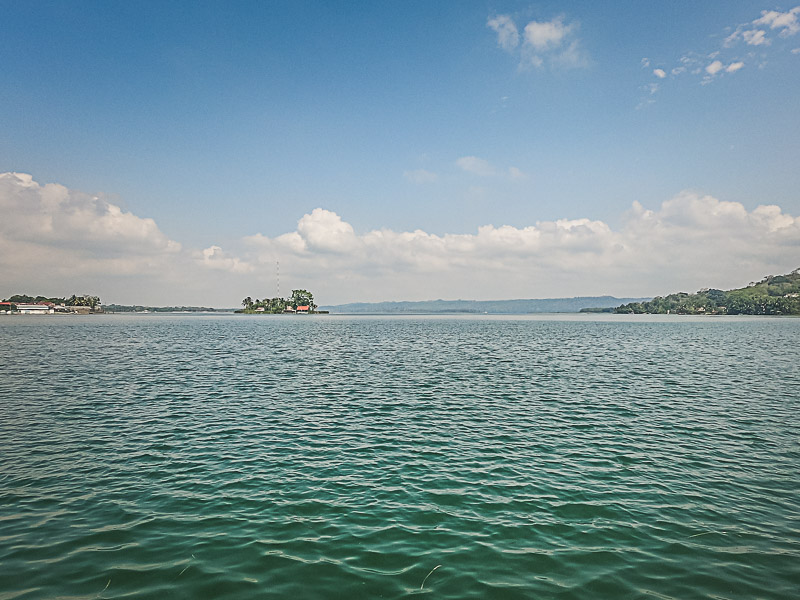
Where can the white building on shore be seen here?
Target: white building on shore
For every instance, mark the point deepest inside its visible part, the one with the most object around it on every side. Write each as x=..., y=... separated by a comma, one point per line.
x=39, y=308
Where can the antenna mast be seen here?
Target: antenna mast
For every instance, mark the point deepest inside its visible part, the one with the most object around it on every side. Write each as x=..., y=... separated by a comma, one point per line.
x=278, y=276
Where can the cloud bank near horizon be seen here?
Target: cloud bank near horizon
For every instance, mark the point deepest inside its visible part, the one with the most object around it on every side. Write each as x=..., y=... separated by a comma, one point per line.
x=59, y=241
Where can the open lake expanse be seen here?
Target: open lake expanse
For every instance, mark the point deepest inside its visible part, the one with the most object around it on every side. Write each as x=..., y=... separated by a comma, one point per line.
x=555, y=456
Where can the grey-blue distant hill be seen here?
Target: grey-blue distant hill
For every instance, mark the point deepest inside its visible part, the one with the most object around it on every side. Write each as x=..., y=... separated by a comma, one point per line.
x=492, y=307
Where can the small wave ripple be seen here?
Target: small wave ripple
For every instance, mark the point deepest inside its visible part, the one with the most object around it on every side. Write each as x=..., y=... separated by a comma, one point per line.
x=337, y=457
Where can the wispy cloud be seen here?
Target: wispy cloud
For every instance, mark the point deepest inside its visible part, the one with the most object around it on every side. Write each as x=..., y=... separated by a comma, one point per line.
x=507, y=33
x=476, y=166
x=420, y=176
x=483, y=168
x=743, y=44
x=554, y=42
x=516, y=173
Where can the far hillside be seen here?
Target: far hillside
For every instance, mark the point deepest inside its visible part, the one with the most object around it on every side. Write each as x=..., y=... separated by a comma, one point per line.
x=494, y=307
x=773, y=295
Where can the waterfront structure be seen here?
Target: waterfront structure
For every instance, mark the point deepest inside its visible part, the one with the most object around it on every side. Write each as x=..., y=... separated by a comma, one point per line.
x=36, y=308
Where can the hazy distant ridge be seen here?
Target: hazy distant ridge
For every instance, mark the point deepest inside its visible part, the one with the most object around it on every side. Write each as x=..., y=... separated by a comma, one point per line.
x=542, y=305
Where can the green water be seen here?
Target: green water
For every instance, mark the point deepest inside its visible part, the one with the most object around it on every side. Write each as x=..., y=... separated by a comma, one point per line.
x=358, y=457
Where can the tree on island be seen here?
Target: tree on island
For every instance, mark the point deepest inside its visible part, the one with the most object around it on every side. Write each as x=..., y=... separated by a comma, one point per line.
x=303, y=298
x=279, y=305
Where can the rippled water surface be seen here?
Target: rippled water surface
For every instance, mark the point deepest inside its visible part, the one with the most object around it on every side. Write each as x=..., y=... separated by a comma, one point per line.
x=375, y=457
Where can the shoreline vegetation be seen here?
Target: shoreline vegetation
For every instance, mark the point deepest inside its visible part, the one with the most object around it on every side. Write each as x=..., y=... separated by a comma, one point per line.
x=25, y=304
x=773, y=295
x=300, y=302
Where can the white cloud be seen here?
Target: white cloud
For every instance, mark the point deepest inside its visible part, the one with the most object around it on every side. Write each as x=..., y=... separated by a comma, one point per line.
x=545, y=35
x=483, y=168
x=420, y=176
x=645, y=62
x=214, y=257
x=659, y=73
x=553, y=42
x=507, y=34
x=752, y=33
x=57, y=219
x=715, y=67
x=718, y=67
x=755, y=37
x=324, y=231
x=476, y=166
x=786, y=23
x=57, y=241
x=689, y=242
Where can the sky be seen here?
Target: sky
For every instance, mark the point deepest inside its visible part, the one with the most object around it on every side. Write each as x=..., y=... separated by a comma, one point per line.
x=197, y=153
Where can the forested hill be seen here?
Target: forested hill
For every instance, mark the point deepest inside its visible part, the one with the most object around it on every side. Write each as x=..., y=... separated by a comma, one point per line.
x=503, y=307
x=773, y=295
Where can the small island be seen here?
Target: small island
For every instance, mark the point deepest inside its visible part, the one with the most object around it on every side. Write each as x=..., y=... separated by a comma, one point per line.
x=299, y=303
x=773, y=295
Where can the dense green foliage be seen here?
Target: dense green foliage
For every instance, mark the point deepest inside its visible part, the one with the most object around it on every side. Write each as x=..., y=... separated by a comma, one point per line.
x=773, y=295
x=86, y=300
x=279, y=305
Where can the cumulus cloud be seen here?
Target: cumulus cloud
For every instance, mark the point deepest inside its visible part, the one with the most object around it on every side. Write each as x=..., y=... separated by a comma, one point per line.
x=214, y=257
x=54, y=218
x=552, y=42
x=690, y=241
x=57, y=241
x=660, y=73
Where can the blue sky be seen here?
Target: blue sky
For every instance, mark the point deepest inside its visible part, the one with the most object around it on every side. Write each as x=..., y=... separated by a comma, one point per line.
x=221, y=122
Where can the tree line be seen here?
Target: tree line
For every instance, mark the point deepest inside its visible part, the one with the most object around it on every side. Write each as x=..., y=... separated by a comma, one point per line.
x=85, y=300
x=279, y=305
x=773, y=295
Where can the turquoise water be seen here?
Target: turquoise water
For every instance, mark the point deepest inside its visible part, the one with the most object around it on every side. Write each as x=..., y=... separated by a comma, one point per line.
x=362, y=457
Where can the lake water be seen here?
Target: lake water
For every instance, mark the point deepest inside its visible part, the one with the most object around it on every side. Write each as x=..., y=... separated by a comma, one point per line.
x=377, y=457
